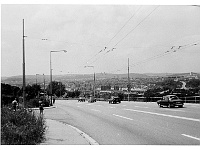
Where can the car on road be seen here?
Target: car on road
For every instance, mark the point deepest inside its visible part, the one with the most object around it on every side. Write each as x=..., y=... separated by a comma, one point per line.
x=170, y=101
x=91, y=100
x=81, y=99
x=114, y=100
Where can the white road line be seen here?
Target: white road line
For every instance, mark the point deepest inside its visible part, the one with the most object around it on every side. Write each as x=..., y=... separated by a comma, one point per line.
x=79, y=103
x=89, y=104
x=174, y=110
x=96, y=110
x=122, y=117
x=152, y=113
x=111, y=107
x=191, y=137
x=141, y=107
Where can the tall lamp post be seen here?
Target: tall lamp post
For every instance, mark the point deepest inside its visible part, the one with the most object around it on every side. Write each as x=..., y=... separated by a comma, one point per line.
x=24, y=76
x=51, y=71
x=94, y=78
x=36, y=78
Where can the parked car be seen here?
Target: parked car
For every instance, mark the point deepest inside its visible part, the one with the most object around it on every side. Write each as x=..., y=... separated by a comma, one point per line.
x=91, y=100
x=114, y=100
x=170, y=101
x=81, y=99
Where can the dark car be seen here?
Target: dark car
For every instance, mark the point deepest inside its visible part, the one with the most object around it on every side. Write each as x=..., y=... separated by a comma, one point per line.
x=170, y=101
x=114, y=100
x=91, y=100
x=81, y=99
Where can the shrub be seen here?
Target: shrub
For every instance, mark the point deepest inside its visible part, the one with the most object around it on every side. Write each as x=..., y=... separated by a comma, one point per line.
x=21, y=127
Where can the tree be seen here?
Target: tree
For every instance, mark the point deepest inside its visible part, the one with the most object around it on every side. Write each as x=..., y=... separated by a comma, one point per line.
x=194, y=83
x=57, y=88
x=32, y=91
x=8, y=93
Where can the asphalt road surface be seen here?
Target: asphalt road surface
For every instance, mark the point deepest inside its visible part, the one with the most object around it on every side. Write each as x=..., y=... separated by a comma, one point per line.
x=131, y=123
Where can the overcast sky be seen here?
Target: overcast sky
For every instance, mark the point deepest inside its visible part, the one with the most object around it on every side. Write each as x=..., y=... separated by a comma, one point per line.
x=156, y=39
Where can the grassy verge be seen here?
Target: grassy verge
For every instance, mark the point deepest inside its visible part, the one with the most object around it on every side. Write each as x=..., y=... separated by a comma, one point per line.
x=21, y=127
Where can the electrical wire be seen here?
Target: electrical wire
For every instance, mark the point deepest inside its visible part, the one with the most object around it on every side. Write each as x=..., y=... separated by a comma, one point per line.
x=106, y=47
x=173, y=49
x=114, y=47
x=135, y=26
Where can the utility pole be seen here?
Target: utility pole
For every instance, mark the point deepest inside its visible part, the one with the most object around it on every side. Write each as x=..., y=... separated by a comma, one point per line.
x=44, y=85
x=24, y=79
x=94, y=84
x=128, y=81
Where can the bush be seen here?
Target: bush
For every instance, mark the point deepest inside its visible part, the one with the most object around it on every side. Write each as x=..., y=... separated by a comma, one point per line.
x=21, y=127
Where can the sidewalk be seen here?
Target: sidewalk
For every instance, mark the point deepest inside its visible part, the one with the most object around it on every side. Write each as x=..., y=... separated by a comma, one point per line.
x=59, y=133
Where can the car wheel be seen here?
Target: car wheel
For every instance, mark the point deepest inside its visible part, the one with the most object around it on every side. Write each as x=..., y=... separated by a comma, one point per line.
x=180, y=106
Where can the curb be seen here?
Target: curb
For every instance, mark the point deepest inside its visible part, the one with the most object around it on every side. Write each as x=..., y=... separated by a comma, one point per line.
x=90, y=140
x=44, y=108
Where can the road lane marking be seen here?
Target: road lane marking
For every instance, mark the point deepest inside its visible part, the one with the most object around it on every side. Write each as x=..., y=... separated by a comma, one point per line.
x=96, y=110
x=152, y=113
x=174, y=110
x=89, y=104
x=79, y=103
x=122, y=117
x=141, y=107
x=111, y=107
x=191, y=137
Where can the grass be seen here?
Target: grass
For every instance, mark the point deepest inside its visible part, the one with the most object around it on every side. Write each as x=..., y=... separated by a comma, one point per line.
x=21, y=127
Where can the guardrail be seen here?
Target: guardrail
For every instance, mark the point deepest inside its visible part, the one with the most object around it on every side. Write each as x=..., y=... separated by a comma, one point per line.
x=189, y=99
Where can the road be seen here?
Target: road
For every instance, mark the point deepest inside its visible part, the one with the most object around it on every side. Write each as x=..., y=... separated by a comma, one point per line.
x=131, y=123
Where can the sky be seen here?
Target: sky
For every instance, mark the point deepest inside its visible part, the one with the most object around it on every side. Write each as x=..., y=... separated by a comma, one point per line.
x=155, y=38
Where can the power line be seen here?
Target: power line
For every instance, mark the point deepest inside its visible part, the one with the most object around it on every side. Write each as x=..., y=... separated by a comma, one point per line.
x=106, y=47
x=75, y=43
x=123, y=25
x=135, y=27
x=172, y=50
x=114, y=47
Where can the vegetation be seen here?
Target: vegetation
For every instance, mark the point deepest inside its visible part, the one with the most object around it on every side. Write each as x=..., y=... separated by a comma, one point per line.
x=194, y=83
x=21, y=127
x=8, y=93
x=58, y=89
x=73, y=94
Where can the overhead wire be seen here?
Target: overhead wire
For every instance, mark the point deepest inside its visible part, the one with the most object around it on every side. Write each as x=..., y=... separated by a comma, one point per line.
x=135, y=27
x=114, y=47
x=106, y=47
x=172, y=50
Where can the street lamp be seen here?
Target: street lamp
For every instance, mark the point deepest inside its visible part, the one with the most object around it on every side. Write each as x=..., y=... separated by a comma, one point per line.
x=51, y=71
x=94, y=78
x=43, y=79
x=36, y=78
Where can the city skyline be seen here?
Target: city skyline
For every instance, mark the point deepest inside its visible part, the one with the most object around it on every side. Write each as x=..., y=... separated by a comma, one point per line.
x=156, y=39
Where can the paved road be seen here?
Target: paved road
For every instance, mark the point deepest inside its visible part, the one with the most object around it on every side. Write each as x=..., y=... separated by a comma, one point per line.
x=132, y=123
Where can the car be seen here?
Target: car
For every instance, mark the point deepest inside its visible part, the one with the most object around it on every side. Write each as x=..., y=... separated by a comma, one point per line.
x=91, y=100
x=170, y=101
x=81, y=99
x=114, y=100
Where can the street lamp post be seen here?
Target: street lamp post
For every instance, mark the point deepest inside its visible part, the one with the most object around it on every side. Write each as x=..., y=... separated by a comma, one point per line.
x=94, y=79
x=36, y=78
x=51, y=71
